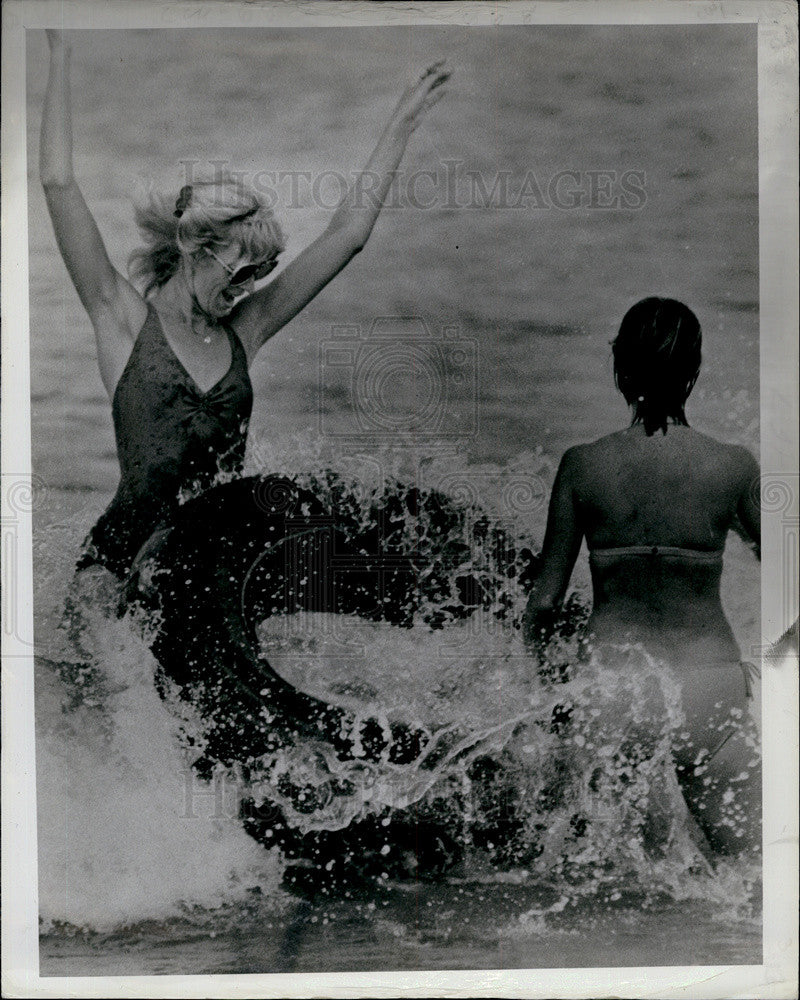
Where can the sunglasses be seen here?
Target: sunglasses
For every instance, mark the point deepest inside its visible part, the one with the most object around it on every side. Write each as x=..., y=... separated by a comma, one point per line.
x=241, y=275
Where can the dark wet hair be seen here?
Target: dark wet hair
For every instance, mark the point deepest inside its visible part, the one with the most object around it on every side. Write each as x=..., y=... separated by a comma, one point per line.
x=657, y=355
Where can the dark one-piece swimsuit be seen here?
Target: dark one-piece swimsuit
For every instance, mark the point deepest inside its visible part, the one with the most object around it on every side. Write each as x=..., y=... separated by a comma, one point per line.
x=220, y=549
x=172, y=440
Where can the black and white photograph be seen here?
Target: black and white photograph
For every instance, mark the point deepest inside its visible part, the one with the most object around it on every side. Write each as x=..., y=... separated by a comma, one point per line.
x=404, y=393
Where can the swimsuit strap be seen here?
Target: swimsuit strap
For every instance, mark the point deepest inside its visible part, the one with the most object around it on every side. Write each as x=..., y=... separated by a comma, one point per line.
x=752, y=677
x=696, y=555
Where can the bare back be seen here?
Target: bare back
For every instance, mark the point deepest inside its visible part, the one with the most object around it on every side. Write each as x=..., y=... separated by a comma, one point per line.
x=655, y=512
x=680, y=489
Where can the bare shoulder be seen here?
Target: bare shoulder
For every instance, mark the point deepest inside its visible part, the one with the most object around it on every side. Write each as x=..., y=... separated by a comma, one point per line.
x=579, y=464
x=574, y=459
x=742, y=459
x=735, y=459
x=584, y=456
x=744, y=469
x=730, y=470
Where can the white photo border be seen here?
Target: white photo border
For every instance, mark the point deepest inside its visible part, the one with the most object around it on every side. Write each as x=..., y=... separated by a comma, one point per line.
x=778, y=231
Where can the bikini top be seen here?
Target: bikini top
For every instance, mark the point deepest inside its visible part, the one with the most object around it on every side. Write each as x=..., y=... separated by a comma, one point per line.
x=711, y=558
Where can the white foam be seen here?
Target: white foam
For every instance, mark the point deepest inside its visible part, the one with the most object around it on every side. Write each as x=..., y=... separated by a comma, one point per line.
x=126, y=831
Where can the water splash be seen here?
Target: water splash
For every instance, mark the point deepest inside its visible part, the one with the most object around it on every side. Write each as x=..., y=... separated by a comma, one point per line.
x=536, y=781
x=126, y=832
x=573, y=781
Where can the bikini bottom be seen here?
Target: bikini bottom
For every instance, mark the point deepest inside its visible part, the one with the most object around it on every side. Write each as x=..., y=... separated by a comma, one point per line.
x=694, y=717
x=716, y=705
x=712, y=703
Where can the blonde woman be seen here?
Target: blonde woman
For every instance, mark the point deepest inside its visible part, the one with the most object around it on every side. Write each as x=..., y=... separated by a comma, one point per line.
x=174, y=352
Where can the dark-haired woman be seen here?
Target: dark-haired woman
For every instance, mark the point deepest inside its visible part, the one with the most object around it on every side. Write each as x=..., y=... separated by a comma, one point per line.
x=174, y=352
x=655, y=503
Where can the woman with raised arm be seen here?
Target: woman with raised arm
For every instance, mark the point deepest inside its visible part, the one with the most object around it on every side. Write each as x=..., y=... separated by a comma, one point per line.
x=655, y=503
x=174, y=356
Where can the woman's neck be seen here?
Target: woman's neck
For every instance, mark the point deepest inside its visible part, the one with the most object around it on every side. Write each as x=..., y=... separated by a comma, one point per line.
x=176, y=301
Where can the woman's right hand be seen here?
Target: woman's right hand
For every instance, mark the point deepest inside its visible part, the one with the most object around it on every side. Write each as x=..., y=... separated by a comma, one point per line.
x=57, y=40
x=114, y=306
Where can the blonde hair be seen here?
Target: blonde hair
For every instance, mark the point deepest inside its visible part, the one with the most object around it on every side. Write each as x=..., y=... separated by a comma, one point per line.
x=220, y=212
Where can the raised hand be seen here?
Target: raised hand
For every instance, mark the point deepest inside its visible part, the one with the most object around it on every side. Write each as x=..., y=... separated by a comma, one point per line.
x=421, y=95
x=263, y=313
x=56, y=40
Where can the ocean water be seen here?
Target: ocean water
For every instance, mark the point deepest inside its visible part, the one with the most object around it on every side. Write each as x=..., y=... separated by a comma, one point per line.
x=143, y=868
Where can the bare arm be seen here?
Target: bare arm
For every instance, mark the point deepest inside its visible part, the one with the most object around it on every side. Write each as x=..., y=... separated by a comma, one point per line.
x=260, y=316
x=748, y=510
x=562, y=542
x=107, y=297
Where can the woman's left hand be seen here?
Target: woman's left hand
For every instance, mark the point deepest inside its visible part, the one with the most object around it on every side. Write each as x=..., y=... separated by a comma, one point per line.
x=264, y=312
x=419, y=97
